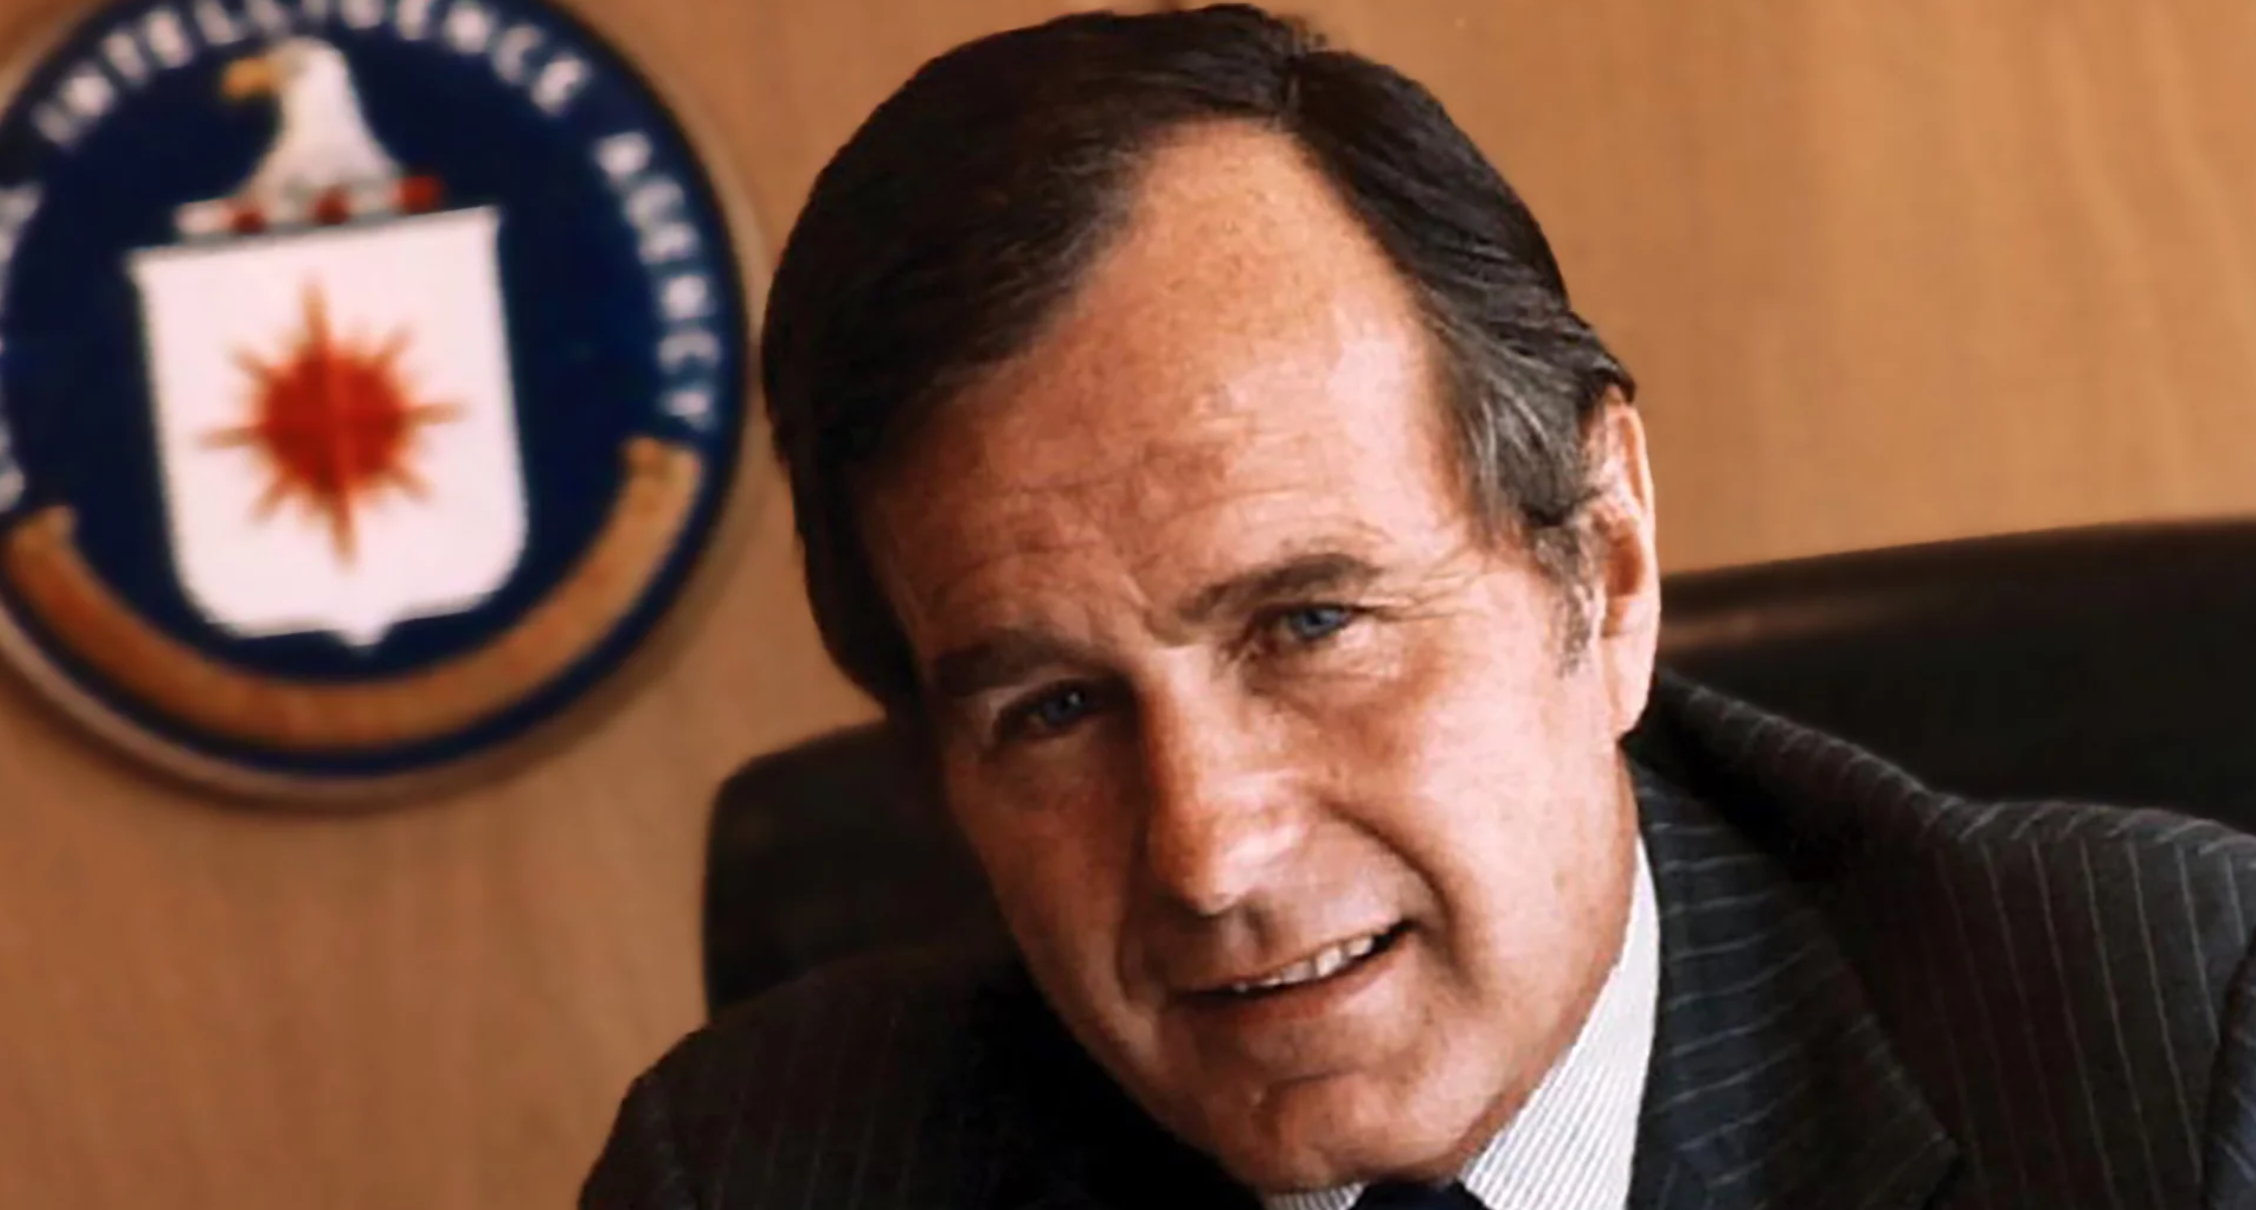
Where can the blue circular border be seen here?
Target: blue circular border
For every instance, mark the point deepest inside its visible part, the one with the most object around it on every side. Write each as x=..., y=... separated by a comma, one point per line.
x=428, y=129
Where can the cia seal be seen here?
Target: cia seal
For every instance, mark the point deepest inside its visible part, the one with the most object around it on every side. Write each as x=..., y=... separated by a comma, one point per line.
x=371, y=374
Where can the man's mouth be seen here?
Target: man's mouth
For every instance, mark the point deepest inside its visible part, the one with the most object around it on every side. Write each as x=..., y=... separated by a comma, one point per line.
x=1328, y=963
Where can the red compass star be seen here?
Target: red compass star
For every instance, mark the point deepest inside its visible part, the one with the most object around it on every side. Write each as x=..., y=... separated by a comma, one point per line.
x=335, y=424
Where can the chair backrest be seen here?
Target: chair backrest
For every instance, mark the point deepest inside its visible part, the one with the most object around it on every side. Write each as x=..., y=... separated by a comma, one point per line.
x=824, y=850
x=2114, y=664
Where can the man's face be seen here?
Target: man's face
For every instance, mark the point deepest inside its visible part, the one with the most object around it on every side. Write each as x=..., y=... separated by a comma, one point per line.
x=1306, y=819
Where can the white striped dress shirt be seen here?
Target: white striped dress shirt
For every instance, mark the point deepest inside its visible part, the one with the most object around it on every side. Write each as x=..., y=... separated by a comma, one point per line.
x=1572, y=1146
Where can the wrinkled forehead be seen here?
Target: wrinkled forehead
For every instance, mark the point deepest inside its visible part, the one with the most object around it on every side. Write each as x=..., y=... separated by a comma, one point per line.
x=1242, y=341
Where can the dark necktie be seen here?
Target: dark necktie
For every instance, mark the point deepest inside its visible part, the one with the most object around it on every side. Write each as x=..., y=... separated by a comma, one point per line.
x=1402, y=1195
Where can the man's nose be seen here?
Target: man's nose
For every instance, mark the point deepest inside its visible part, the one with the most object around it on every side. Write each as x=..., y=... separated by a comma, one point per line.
x=1220, y=812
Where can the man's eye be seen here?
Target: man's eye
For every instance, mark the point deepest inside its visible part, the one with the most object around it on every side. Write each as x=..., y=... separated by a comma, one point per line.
x=1309, y=625
x=1048, y=713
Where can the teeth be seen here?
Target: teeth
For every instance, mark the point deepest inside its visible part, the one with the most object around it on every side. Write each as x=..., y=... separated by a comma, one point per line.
x=1323, y=965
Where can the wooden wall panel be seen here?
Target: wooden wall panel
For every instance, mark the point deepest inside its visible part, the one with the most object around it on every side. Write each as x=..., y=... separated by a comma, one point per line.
x=1888, y=272
x=209, y=1008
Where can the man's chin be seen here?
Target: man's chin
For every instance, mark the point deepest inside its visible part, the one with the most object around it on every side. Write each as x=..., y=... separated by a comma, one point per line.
x=1340, y=1131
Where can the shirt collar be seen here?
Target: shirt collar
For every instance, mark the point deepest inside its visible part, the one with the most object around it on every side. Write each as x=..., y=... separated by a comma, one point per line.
x=1573, y=1145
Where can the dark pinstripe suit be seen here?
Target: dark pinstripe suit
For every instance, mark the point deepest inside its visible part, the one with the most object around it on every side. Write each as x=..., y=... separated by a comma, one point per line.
x=1872, y=995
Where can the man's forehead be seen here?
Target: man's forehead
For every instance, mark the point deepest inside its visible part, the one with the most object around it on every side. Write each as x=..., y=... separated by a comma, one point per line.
x=1233, y=240
x=1159, y=543
x=1238, y=290
x=1242, y=341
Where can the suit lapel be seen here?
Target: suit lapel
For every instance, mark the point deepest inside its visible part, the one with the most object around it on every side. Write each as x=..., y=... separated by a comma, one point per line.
x=1771, y=1083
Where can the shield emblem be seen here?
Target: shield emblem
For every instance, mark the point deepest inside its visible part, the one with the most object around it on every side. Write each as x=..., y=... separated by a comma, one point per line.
x=335, y=423
x=283, y=506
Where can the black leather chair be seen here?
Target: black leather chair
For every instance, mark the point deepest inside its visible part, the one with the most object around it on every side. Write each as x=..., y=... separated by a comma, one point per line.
x=2114, y=664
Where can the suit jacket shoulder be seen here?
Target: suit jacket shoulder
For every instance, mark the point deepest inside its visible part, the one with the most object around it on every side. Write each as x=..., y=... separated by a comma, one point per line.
x=852, y=1086
x=920, y=1080
x=2067, y=989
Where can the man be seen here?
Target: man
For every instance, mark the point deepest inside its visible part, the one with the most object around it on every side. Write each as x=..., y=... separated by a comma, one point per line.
x=1196, y=455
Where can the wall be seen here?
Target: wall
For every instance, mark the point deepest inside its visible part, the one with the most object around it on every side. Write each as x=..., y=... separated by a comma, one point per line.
x=1889, y=272
x=210, y=1008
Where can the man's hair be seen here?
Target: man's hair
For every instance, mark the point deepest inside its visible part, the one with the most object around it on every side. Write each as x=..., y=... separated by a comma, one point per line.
x=970, y=205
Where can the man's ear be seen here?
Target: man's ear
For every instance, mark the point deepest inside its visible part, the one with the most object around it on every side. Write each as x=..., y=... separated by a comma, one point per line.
x=1624, y=568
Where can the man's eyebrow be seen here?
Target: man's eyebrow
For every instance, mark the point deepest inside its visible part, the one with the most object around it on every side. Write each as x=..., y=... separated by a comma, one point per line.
x=1297, y=576
x=1003, y=658
x=1013, y=654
